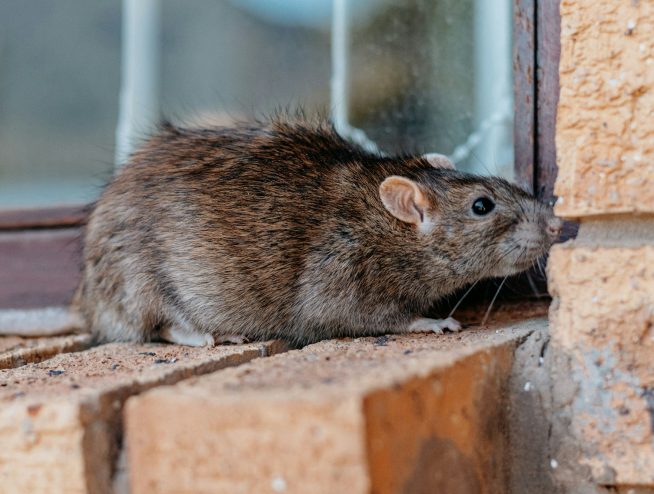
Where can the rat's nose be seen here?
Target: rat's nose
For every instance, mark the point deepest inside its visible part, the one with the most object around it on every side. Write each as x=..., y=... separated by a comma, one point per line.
x=554, y=226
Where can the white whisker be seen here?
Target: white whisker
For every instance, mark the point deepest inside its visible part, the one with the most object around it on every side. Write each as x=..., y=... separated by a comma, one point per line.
x=461, y=300
x=532, y=285
x=483, y=322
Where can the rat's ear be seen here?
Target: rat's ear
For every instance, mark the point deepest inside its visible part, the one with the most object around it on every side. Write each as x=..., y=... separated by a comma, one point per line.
x=439, y=161
x=403, y=199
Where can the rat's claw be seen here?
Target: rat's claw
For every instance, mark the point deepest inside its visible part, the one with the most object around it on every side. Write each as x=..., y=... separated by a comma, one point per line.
x=185, y=334
x=209, y=341
x=230, y=339
x=451, y=324
x=425, y=325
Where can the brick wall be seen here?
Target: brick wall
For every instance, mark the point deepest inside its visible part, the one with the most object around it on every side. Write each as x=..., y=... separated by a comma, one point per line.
x=602, y=316
x=412, y=414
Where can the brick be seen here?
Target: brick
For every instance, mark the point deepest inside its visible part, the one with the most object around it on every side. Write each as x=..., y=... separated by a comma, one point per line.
x=60, y=419
x=411, y=413
x=16, y=351
x=605, y=118
x=635, y=490
x=602, y=329
x=529, y=422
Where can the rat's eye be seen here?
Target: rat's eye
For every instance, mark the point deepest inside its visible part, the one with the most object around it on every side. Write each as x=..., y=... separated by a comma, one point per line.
x=482, y=206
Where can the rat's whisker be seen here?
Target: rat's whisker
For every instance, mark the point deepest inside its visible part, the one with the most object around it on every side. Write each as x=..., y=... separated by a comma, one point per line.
x=461, y=300
x=483, y=322
x=532, y=270
x=541, y=267
x=521, y=254
x=524, y=209
x=532, y=284
x=508, y=252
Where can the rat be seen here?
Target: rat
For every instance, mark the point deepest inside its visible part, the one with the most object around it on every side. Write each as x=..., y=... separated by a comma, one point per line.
x=284, y=229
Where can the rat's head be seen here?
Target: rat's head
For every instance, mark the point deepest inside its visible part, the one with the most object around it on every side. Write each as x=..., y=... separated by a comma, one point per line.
x=483, y=226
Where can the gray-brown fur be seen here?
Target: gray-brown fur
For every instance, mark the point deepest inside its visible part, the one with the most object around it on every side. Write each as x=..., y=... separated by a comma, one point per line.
x=277, y=230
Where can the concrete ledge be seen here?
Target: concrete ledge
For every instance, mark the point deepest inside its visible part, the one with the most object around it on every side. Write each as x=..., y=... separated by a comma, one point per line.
x=419, y=413
x=60, y=420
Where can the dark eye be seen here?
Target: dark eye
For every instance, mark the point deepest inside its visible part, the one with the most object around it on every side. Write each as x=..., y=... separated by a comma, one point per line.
x=482, y=206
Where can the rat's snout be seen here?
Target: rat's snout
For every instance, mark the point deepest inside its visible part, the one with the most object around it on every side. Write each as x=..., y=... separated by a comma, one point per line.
x=553, y=227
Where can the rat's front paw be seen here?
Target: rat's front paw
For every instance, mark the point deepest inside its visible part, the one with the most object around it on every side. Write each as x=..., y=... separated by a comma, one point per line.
x=425, y=325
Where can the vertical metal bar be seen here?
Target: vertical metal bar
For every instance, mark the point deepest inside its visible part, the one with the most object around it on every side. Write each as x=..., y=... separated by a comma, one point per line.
x=339, y=80
x=339, y=90
x=140, y=78
x=524, y=87
x=548, y=52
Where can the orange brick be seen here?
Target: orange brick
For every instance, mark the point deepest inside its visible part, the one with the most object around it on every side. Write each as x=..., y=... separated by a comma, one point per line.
x=60, y=420
x=605, y=123
x=414, y=413
x=602, y=325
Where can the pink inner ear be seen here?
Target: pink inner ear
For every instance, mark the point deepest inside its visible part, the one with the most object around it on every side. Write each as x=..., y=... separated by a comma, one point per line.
x=409, y=204
x=403, y=199
x=439, y=161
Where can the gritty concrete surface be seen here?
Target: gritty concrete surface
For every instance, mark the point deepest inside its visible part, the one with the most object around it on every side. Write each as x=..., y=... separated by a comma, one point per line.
x=412, y=413
x=60, y=419
x=529, y=418
x=9, y=343
x=602, y=336
x=605, y=118
x=16, y=351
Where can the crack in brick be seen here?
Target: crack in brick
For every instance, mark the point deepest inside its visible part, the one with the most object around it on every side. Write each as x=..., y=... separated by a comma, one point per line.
x=648, y=394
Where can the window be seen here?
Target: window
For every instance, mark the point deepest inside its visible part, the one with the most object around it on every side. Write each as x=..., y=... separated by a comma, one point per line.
x=82, y=82
x=59, y=82
x=432, y=76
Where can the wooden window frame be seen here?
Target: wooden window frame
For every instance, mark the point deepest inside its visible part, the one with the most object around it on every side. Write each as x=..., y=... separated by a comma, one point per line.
x=40, y=249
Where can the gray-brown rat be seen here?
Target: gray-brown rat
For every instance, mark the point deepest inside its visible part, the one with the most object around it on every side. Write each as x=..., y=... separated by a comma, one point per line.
x=283, y=229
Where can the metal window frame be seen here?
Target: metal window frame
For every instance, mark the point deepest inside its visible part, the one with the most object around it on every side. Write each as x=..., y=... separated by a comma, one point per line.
x=537, y=50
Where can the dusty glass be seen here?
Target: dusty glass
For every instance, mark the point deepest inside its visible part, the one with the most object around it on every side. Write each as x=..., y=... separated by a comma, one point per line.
x=59, y=81
x=436, y=76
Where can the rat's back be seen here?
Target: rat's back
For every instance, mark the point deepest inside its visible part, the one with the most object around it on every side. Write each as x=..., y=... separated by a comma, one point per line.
x=209, y=230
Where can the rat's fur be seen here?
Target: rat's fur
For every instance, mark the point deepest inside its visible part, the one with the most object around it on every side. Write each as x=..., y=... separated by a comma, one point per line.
x=277, y=230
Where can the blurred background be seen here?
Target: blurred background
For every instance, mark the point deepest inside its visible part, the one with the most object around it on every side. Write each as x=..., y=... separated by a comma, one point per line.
x=400, y=75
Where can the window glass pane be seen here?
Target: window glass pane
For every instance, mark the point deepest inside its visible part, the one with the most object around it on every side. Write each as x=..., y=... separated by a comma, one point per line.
x=436, y=76
x=244, y=57
x=422, y=76
x=59, y=82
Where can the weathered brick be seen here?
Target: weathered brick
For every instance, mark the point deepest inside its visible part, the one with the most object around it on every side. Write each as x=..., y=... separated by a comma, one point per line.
x=413, y=413
x=16, y=351
x=60, y=420
x=605, y=123
x=602, y=329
